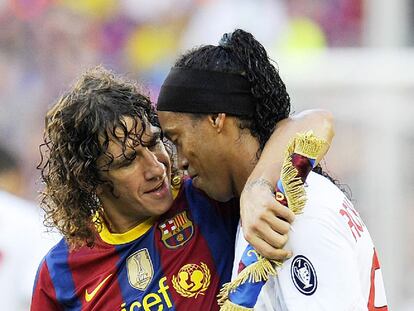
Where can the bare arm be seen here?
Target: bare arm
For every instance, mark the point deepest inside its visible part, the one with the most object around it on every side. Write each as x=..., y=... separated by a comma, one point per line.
x=266, y=222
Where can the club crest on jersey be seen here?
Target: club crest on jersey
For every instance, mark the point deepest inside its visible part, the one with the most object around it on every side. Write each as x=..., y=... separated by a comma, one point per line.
x=176, y=231
x=192, y=280
x=303, y=275
x=140, y=269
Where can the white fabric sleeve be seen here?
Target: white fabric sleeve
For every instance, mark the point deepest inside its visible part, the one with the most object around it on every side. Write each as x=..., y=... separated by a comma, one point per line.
x=329, y=278
x=333, y=258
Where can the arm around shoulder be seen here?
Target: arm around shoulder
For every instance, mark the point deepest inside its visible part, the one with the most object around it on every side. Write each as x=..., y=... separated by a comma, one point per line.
x=265, y=221
x=320, y=121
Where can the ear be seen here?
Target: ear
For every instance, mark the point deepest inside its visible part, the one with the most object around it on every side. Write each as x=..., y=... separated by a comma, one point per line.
x=99, y=189
x=217, y=121
x=102, y=188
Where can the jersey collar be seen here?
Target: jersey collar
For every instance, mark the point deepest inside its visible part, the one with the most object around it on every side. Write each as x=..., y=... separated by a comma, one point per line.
x=131, y=235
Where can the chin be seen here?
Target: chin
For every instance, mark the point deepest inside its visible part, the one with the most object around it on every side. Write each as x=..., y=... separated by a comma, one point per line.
x=218, y=196
x=165, y=206
x=214, y=194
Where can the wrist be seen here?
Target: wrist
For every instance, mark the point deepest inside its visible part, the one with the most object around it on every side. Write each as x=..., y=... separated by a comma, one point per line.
x=260, y=182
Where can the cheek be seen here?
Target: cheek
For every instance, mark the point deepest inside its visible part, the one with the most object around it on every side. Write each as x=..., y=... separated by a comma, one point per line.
x=165, y=159
x=198, y=151
x=127, y=180
x=213, y=163
x=162, y=155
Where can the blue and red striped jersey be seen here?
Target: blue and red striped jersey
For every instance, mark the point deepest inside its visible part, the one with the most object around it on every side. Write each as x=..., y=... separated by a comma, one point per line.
x=176, y=262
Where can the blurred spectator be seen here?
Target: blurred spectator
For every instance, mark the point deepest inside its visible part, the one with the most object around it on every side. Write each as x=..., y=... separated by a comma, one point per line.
x=22, y=244
x=267, y=19
x=340, y=20
x=11, y=178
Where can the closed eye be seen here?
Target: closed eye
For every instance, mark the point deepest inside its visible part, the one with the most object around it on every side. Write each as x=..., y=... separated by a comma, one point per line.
x=155, y=140
x=124, y=161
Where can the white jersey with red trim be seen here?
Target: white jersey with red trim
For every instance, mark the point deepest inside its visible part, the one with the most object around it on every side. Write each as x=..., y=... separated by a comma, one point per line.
x=23, y=243
x=334, y=264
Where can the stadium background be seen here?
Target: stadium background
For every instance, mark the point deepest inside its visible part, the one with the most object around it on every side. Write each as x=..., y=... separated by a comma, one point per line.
x=352, y=57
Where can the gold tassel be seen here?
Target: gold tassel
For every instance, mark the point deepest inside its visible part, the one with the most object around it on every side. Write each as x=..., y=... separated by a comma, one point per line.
x=229, y=306
x=307, y=145
x=293, y=186
x=259, y=271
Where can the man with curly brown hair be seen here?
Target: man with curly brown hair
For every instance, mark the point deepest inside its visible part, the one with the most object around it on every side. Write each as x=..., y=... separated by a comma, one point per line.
x=131, y=242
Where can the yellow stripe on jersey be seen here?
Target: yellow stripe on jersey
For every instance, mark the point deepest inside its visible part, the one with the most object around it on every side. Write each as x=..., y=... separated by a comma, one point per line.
x=126, y=237
x=134, y=233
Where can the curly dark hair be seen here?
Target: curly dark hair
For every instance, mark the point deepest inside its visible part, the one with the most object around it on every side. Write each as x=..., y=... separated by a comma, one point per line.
x=78, y=129
x=239, y=52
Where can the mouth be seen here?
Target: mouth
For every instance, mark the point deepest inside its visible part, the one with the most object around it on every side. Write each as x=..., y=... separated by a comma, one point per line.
x=157, y=187
x=160, y=191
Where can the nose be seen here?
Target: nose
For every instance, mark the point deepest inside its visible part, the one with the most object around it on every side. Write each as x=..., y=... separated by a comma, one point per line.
x=182, y=162
x=154, y=169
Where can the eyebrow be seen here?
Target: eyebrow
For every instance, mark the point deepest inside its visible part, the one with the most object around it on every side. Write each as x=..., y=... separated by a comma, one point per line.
x=157, y=134
x=122, y=158
x=126, y=155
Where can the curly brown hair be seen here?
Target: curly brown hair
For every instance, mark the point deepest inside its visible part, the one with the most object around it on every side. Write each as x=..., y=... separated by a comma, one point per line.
x=78, y=129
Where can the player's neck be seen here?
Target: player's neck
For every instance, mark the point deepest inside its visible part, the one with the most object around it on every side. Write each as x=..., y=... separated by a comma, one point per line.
x=120, y=223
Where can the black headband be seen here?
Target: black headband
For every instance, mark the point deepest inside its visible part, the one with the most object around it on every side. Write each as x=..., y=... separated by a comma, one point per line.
x=206, y=91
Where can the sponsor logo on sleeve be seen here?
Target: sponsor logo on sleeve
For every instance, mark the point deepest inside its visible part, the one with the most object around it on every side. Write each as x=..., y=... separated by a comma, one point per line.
x=303, y=275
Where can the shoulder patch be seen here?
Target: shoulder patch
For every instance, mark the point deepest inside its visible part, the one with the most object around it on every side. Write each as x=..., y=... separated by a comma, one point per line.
x=303, y=275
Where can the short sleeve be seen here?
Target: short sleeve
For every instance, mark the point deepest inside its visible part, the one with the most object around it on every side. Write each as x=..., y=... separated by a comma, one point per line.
x=44, y=295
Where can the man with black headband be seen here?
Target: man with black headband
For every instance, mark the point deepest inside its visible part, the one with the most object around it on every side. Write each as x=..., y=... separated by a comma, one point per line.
x=219, y=105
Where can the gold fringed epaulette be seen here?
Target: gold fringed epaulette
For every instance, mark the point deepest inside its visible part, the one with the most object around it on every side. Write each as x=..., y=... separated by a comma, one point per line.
x=229, y=306
x=293, y=186
x=256, y=272
x=307, y=145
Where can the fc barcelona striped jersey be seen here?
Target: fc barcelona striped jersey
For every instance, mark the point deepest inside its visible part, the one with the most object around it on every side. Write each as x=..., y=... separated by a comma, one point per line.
x=176, y=262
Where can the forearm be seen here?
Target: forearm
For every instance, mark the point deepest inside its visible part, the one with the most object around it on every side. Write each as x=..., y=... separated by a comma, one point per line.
x=269, y=165
x=266, y=222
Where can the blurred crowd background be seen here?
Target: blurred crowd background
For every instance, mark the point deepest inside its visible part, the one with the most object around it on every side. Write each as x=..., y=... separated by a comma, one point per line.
x=352, y=57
